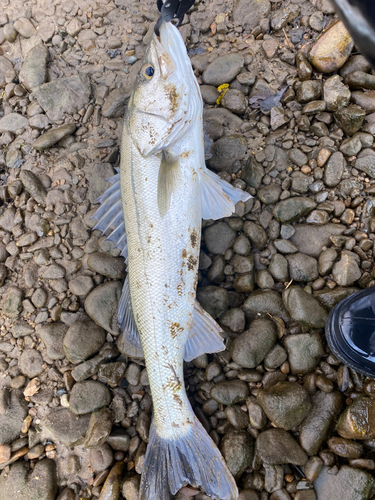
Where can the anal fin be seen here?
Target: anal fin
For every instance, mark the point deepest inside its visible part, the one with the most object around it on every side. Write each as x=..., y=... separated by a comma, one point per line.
x=126, y=318
x=204, y=336
x=217, y=197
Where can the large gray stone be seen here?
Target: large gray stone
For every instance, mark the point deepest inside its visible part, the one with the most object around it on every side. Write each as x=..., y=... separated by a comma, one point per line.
x=15, y=411
x=348, y=484
x=251, y=347
x=319, y=422
x=34, y=68
x=102, y=306
x=63, y=96
x=19, y=483
x=68, y=428
x=223, y=69
x=305, y=350
x=310, y=239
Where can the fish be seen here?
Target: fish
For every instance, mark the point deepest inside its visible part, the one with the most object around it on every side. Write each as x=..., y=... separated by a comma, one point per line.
x=153, y=213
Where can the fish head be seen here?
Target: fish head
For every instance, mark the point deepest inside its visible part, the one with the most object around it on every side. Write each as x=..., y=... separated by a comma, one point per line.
x=166, y=98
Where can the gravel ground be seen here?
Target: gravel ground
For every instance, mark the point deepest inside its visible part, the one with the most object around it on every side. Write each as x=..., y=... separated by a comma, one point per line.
x=291, y=421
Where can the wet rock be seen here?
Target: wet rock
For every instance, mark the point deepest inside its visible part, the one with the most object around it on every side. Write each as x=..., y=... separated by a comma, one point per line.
x=112, y=487
x=348, y=484
x=366, y=100
x=326, y=261
x=218, y=238
x=351, y=147
x=102, y=306
x=302, y=267
x=100, y=426
x=275, y=357
x=115, y=103
x=265, y=302
x=119, y=440
x=234, y=319
x=278, y=268
x=346, y=271
x=63, y=96
x=366, y=164
x=311, y=239
x=250, y=12
x=293, y=208
x=236, y=416
x=230, y=392
x=33, y=186
x=237, y=448
x=335, y=93
x=68, y=428
x=345, y=448
x=223, y=69
x=355, y=63
x=286, y=404
x=130, y=487
x=34, y=71
x=251, y=347
x=350, y=118
x=88, y=396
x=360, y=80
x=256, y=234
x=332, y=49
x=13, y=122
x=31, y=363
x=104, y=264
x=213, y=299
x=101, y=457
x=11, y=302
x=53, y=335
x=227, y=152
x=317, y=426
x=358, y=420
x=304, y=68
x=40, y=484
x=276, y=446
x=305, y=350
x=13, y=410
x=53, y=136
x=217, y=118
x=309, y=90
x=329, y=298
x=82, y=340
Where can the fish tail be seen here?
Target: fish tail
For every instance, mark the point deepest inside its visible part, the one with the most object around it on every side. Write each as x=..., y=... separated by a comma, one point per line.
x=192, y=459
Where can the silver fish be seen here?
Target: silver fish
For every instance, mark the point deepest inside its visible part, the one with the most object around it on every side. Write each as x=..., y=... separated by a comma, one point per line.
x=161, y=194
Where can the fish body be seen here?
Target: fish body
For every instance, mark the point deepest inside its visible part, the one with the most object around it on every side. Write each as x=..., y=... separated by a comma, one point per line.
x=164, y=190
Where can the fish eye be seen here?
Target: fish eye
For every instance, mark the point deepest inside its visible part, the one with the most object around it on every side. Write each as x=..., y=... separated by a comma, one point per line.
x=147, y=71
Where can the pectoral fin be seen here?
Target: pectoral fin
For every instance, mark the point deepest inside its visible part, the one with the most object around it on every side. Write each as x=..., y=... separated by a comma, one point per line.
x=169, y=178
x=217, y=197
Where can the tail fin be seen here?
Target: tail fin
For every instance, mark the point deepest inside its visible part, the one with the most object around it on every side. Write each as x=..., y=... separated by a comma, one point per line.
x=192, y=458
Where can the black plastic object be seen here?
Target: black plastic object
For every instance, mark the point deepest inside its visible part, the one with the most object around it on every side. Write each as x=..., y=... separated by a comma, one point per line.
x=359, y=18
x=350, y=331
x=172, y=9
